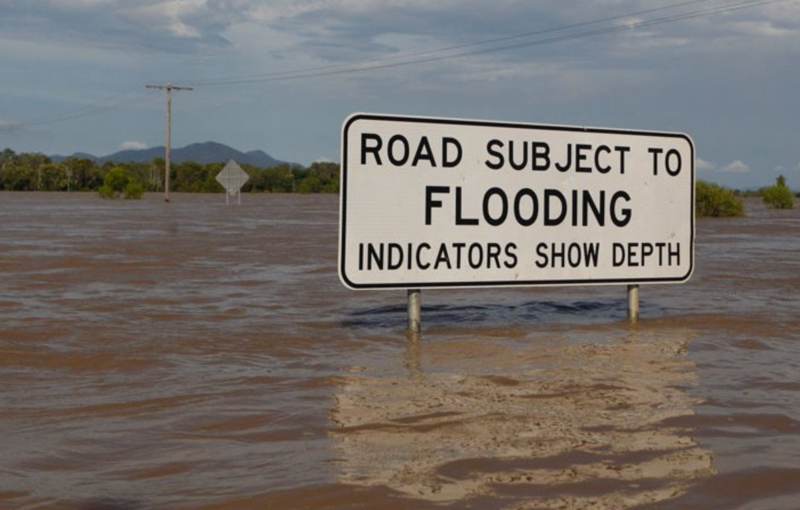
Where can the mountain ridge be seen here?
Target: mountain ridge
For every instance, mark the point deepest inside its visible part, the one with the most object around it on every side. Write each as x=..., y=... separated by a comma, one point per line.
x=203, y=153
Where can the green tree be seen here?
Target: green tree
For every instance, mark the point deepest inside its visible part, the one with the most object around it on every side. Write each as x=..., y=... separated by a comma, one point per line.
x=31, y=171
x=134, y=189
x=778, y=196
x=157, y=174
x=188, y=177
x=21, y=172
x=119, y=182
x=310, y=184
x=714, y=200
x=277, y=179
x=17, y=177
x=321, y=177
x=83, y=174
x=52, y=177
x=6, y=155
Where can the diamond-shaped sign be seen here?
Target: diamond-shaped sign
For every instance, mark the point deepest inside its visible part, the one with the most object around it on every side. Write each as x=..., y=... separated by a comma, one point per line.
x=232, y=177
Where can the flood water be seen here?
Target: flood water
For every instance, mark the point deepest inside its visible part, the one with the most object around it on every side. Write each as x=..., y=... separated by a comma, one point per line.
x=194, y=355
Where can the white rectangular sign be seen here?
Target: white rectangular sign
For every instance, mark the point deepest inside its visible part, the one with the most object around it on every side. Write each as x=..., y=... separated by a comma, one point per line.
x=461, y=203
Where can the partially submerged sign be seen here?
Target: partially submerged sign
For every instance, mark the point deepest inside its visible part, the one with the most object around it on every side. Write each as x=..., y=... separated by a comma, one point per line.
x=455, y=203
x=232, y=177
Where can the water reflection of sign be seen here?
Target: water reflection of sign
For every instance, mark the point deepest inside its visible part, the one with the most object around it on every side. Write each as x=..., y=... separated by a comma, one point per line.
x=232, y=177
x=448, y=203
x=535, y=426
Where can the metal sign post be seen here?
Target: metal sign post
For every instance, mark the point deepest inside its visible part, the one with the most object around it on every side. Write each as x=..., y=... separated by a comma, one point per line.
x=633, y=303
x=232, y=178
x=414, y=311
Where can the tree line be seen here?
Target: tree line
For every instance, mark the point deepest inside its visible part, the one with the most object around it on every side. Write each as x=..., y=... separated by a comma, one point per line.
x=37, y=172
x=714, y=200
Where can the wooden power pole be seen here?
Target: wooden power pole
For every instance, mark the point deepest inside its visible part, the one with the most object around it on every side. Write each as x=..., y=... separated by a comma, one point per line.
x=168, y=88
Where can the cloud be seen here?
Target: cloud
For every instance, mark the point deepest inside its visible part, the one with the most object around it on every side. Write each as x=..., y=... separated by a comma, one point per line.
x=350, y=27
x=736, y=167
x=165, y=25
x=178, y=17
x=764, y=29
x=352, y=31
x=72, y=4
x=132, y=145
x=337, y=24
x=704, y=165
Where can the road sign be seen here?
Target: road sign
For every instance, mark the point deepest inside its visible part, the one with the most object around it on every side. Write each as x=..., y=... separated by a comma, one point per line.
x=232, y=178
x=429, y=202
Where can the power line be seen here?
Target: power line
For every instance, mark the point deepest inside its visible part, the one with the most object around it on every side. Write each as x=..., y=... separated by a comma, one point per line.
x=360, y=68
x=460, y=46
x=84, y=111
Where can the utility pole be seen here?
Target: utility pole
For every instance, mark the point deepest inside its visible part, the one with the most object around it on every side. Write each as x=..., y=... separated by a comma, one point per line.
x=168, y=88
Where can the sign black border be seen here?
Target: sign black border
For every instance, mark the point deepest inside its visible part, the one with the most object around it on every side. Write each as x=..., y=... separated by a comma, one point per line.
x=501, y=283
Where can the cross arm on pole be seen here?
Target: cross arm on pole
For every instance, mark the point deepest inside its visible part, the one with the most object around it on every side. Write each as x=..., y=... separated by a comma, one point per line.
x=168, y=87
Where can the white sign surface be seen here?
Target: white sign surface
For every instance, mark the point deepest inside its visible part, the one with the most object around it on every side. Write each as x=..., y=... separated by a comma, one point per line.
x=232, y=177
x=459, y=203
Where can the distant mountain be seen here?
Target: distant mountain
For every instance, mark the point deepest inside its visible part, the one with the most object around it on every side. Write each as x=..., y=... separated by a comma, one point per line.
x=78, y=155
x=204, y=153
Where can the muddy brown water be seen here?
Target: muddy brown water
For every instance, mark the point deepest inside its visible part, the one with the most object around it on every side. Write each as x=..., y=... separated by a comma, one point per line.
x=196, y=356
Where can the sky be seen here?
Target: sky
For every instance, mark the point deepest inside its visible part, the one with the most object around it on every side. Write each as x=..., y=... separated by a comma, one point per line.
x=73, y=72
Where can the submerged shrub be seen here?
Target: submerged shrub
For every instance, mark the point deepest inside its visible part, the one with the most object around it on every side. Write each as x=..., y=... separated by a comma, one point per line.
x=716, y=201
x=106, y=192
x=117, y=182
x=778, y=196
x=134, y=190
